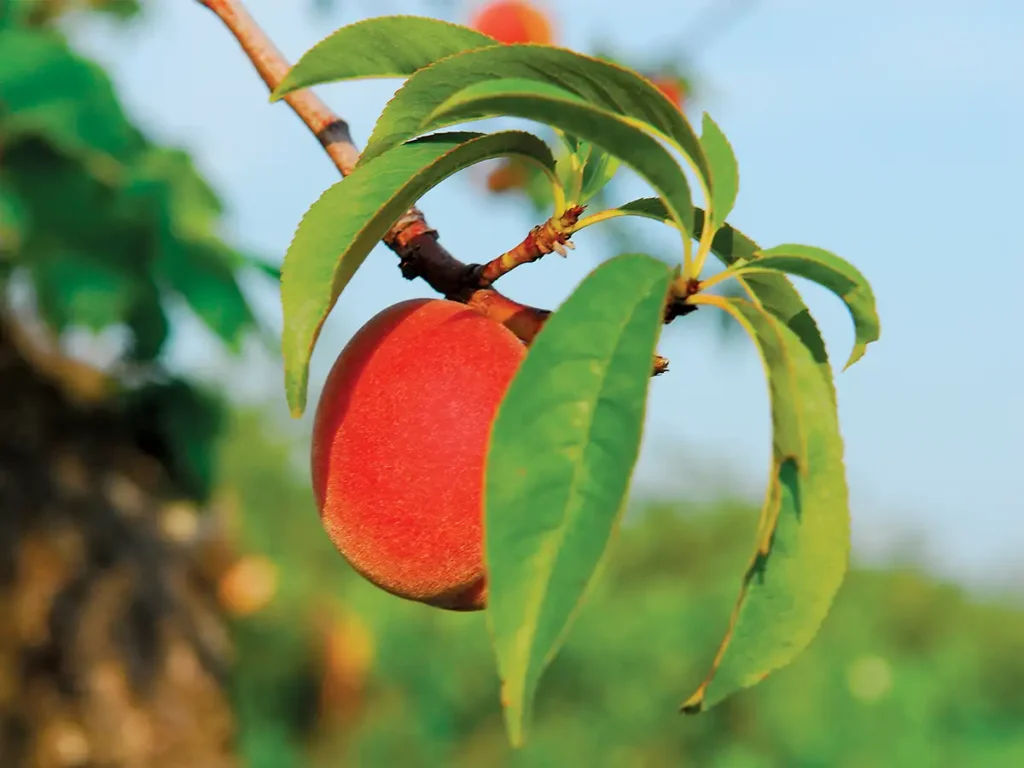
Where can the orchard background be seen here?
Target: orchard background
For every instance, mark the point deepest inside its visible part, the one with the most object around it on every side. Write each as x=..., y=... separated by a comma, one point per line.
x=859, y=136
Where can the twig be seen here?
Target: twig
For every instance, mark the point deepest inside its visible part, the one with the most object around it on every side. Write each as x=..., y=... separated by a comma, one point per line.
x=551, y=236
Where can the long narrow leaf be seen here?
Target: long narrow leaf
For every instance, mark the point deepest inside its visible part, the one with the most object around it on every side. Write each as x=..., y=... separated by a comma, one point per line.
x=562, y=452
x=803, y=541
x=725, y=176
x=386, y=46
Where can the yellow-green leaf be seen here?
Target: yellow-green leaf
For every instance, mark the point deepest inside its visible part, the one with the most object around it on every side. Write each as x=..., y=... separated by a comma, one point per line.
x=725, y=175
x=827, y=270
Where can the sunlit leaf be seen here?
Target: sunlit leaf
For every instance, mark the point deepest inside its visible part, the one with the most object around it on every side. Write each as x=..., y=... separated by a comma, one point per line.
x=342, y=227
x=604, y=85
x=561, y=109
x=803, y=536
x=387, y=46
x=562, y=451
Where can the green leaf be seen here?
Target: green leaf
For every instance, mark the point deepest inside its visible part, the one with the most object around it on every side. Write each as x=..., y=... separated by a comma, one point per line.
x=561, y=455
x=568, y=112
x=342, y=227
x=775, y=292
x=605, y=85
x=804, y=532
x=725, y=175
x=830, y=271
x=387, y=46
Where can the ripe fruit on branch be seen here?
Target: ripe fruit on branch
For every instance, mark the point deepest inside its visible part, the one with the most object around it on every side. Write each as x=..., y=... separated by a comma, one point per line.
x=399, y=441
x=513, y=21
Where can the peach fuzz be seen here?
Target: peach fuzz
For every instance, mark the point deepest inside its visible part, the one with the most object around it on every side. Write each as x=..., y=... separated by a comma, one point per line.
x=399, y=441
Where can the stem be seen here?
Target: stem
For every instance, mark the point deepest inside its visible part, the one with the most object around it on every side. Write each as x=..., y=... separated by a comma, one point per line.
x=687, y=255
x=708, y=299
x=703, y=249
x=552, y=235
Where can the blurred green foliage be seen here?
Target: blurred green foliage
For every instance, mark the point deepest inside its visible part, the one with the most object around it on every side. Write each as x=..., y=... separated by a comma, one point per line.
x=111, y=230
x=907, y=671
x=108, y=226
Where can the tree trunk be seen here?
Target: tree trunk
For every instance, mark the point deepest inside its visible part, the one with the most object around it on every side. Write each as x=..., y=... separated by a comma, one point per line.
x=112, y=648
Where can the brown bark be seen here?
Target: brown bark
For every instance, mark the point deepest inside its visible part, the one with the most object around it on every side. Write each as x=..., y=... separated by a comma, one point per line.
x=112, y=648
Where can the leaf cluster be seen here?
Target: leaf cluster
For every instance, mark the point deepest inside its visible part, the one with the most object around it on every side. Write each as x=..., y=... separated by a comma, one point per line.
x=568, y=432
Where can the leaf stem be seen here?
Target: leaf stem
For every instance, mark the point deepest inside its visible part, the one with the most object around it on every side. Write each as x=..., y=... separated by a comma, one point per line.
x=551, y=236
x=703, y=249
x=597, y=218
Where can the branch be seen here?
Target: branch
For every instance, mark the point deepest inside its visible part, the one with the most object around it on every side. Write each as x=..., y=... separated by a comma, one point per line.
x=411, y=237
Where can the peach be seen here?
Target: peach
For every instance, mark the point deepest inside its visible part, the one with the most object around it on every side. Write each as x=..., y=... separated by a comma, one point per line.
x=513, y=21
x=399, y=441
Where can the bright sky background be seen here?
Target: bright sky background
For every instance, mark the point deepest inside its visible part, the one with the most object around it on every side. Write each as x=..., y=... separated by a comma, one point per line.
x=880, y=129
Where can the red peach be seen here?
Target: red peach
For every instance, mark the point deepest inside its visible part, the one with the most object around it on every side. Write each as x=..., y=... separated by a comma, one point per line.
x=399, y=441
x=513, y=21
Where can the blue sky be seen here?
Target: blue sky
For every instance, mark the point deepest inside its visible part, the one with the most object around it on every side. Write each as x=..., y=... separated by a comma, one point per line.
x=884, y=131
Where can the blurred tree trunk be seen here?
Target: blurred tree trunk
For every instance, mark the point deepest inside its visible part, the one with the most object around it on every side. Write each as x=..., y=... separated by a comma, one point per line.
x=112, y=648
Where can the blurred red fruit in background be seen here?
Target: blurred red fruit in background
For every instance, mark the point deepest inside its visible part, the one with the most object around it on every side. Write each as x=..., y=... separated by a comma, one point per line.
x=673, y=88
x=513, y=21
x=506, y=177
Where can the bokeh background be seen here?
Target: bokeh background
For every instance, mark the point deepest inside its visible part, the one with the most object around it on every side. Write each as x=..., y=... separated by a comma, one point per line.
x=167, y=596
